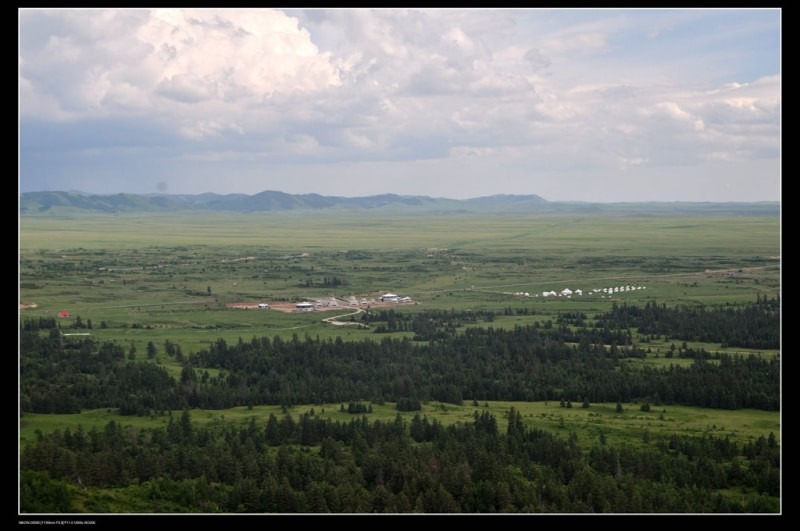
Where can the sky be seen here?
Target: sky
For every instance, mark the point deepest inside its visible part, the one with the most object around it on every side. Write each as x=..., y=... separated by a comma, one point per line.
x=598, y=105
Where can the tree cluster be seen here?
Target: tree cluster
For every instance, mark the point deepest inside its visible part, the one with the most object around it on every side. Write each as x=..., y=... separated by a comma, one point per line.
x=62, y=375
x=392, y=466
x=750, y=326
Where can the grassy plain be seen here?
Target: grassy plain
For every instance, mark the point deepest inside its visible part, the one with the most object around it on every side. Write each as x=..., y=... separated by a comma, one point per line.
x=174, y=274
x=142, y=278
x=629, y=427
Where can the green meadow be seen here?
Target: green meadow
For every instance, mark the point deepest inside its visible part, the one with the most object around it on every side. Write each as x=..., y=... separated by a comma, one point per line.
x=631, y=426
x=173, y=275
x=142, y=278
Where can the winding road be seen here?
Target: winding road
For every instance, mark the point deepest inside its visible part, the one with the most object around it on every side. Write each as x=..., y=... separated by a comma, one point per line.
x=334, y=320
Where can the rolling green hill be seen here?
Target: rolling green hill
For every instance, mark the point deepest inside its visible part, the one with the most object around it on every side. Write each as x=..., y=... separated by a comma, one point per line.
x=64, y=203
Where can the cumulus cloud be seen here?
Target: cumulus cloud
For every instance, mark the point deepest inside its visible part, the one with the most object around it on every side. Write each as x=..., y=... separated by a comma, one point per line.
x=572, y=93
x=141, y=57
x=186, y=87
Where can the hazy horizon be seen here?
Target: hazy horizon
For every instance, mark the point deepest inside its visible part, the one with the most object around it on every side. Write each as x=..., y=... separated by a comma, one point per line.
x=81, y=192
x=584, y=105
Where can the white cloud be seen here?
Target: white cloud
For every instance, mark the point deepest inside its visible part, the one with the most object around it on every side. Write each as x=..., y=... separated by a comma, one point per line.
x=359, y=140
x=191, y=56
x=671, y=109
x=302, y=144
x=185, y=87
x=537, y=92
x=201, y=129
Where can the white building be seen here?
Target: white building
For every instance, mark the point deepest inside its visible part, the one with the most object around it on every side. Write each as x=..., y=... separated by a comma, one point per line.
x=390, y=297
x=263, y=306
x=304, y=307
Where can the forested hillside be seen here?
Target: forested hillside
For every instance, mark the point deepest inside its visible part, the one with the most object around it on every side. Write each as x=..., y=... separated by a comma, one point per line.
x=306, y=463
x=396, y=467
x=63, y=375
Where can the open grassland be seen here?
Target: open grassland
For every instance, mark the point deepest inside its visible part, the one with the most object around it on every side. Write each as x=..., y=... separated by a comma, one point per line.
x=523, y=234
x=154, y=278
x=142, y=278
x=150, y=277
x=599, y=421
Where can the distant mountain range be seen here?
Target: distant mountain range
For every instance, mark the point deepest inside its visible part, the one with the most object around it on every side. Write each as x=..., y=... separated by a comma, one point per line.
x=57, y=203
x=40, y=202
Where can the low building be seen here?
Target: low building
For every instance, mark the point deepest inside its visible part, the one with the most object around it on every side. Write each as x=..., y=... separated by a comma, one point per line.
x=390, y=297
x=62, y=315
x=263, y=306
x=304, y=307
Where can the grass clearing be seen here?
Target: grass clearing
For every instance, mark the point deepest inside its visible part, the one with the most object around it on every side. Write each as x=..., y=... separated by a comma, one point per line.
x=628, y=427
x=142, y=278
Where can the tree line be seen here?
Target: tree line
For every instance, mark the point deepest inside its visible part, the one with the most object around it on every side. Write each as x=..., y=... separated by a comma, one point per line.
x=528, y=363
x=749, y=326
x=746, y=326
x=427, y=325
x=361, y=466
